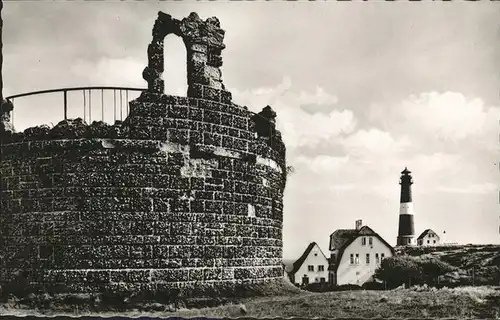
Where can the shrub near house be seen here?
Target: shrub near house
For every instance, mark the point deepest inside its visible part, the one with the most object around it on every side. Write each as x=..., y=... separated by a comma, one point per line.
x=409, y=270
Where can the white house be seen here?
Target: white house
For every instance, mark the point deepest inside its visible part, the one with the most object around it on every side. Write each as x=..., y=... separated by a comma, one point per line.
x=355, y=254
x=428, y=238
x=312, y=266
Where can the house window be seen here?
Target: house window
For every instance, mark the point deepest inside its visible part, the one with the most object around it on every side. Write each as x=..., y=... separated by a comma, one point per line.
x=381, y=256
x=315, y=254
x=367, y=258
x=322, y=280
x=310, y=268
x=377, y=259
x=321, y=268
x=363, y=241
x=434, y=241
x=357, y=259
x=305, y=280
x=352, y=258
x=370, y=241
x=428, y=241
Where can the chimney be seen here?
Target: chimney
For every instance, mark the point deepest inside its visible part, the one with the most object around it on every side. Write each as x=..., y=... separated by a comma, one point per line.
x=359, y=224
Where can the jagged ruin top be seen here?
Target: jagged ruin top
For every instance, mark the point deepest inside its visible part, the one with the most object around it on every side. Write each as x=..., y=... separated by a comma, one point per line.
x=206, y=94
x=204, y=43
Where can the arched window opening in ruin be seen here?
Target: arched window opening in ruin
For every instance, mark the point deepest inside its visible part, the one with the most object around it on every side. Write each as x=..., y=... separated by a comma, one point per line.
x=175, y=66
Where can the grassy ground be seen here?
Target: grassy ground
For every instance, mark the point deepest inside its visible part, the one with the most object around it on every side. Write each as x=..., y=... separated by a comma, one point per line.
x=471, y=302
x=419, y=302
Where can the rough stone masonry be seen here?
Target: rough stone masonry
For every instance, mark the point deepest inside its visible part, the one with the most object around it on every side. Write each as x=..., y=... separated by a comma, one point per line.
x=186, y=192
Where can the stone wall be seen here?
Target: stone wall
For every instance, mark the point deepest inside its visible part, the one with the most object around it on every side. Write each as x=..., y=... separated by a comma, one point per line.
x=186, y=192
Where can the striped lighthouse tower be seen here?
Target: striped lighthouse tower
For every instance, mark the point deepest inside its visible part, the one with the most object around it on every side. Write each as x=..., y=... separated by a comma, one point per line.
x=406, y=232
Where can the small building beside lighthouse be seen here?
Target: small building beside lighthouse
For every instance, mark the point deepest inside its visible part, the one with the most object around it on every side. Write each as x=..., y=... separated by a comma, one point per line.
x=406, y=230
x=428, y=238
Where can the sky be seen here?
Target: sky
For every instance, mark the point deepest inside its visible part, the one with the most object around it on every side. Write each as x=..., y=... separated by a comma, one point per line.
x=362, y=90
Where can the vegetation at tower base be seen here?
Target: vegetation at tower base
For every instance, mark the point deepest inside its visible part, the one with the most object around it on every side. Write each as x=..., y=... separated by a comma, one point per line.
x=156, y=205
x=407, y=270
x=476, y=264
x=440, y=266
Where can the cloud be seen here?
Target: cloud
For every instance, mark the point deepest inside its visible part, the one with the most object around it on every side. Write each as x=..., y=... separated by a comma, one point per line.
x=412, y=133
x=367, y=143
x=343, y=187
x=448, y=116
x=112, y=72
x=430, y=164
x=482, y=188
x=322, y=164
x=371, y=158
x=299, y=128
x=257, y=98
x=319, y=97
x=303, y=129
x=128, y=71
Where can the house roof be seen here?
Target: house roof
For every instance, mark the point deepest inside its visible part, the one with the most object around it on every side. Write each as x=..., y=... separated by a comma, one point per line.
x=426, y=232
x=342, y=238
x=298, y=263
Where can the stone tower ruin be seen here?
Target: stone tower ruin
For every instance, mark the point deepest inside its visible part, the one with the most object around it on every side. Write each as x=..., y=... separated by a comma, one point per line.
x=186, y=192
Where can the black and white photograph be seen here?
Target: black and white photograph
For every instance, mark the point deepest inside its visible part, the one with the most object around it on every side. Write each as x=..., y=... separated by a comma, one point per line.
x=250, y=159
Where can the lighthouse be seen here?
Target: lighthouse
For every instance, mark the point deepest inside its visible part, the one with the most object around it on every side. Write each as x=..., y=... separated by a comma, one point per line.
x=406, y=232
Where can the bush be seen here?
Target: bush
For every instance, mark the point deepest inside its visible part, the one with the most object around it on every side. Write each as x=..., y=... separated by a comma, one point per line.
x=347, y=287
x=412, y=270
x=373, y=285
x=432, y=268
x=399, y=270
x=318, y=287
x=326, y=287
